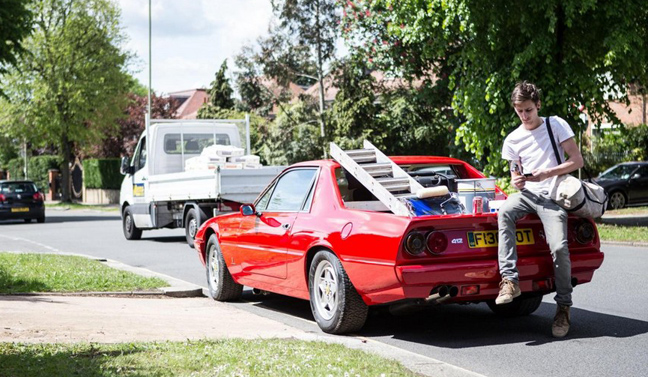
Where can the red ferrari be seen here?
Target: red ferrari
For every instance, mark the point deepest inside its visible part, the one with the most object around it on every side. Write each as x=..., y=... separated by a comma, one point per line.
x=315, y=233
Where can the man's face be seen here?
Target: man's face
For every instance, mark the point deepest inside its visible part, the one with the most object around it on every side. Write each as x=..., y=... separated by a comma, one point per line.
x=528, y=113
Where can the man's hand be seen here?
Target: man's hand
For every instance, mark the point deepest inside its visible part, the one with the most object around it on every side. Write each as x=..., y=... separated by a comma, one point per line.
x=518, y=181
x=539, y=175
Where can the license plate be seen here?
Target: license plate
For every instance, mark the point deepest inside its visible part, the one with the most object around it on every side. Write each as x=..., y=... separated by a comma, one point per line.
x=20, y=209
x=488, y=238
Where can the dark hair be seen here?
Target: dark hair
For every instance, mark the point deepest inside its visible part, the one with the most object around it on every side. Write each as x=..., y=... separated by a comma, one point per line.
x=525, y=91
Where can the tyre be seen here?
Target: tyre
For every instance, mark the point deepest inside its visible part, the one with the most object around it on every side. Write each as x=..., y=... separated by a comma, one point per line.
x=521, y=306
x=220, y=283
x=617, y=200
x=336, y=305
x=191, y=226
x=27, y=220
x=41, y=219
x=131, y=232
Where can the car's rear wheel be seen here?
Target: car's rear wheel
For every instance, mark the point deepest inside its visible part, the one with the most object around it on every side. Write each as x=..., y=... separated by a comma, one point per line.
x=220, y=283
x=335, y=303
x=27, y=220
x=617, y=200
x=521, y=306
x=41, y=219
x=131, y=232
x=191, y=226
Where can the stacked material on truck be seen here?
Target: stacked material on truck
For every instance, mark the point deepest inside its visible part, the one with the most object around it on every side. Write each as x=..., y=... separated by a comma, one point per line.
x=246, y=162
x=223, y=156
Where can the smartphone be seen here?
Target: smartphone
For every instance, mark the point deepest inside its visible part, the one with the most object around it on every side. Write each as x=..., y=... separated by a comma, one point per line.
x=528, y=175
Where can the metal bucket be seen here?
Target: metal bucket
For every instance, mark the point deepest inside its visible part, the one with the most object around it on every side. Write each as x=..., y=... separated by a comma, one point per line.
x=469, y=188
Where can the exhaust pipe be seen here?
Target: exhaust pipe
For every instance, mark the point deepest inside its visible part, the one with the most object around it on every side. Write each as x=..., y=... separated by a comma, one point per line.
x=442, y=293
x=259, y=292
x=437, y=294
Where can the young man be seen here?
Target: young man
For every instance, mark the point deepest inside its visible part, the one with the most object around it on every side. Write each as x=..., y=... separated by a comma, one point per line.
x=533, y=171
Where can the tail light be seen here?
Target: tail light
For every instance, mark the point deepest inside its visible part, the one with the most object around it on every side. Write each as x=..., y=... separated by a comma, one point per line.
x=38, y=197
x=585, y=232
x=437, y=242
x=2, y=198
x=415, y=243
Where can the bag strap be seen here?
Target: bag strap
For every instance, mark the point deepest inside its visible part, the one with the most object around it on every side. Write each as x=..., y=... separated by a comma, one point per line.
x=553, y=142
x=555, y=148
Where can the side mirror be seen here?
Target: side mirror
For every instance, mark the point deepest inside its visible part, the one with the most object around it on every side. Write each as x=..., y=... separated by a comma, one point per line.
x=636, y=176
x=125, y=167
x=248, y=210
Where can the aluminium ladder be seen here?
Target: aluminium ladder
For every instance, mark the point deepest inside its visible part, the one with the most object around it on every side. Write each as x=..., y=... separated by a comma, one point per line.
x=387, y=181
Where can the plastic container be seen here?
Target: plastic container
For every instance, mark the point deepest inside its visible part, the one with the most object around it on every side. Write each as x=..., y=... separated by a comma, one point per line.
x=469, y=188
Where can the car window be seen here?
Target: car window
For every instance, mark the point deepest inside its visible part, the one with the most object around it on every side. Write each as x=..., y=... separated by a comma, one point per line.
x=18, y=188
x=642, y=171
x=291, y=190
x=618, y=172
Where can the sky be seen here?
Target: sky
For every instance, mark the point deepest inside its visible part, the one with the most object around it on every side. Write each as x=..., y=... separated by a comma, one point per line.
x=191, y=38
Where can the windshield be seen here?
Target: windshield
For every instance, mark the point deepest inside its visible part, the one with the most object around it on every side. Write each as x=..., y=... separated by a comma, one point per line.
x=618, y=172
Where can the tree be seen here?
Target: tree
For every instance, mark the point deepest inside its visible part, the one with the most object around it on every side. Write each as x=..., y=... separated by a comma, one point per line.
x=220, y=96
x=72, y=85
x=15, y=25
x=122, y=141
x=567, y=47
x=312, y=26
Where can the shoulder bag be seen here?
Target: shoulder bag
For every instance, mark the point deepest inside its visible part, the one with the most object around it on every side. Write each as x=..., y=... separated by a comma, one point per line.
x=581, y=198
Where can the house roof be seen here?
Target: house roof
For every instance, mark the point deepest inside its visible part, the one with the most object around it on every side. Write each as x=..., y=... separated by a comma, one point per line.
x=189, y=102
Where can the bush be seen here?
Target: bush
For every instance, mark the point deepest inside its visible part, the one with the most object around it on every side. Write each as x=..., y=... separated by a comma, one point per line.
x=102, y=173
x=37, y=169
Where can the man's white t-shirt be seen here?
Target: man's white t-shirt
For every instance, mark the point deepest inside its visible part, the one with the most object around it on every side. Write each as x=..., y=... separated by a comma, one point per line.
x=534, y=151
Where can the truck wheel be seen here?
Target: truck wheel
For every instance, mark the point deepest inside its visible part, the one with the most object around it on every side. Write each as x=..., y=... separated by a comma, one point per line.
x=520, y=306
x=336, y=305
x=131, y=232
x=191, y=226
x=222, y=286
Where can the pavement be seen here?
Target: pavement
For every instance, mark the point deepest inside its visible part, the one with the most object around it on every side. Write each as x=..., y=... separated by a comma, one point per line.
x=178, y=312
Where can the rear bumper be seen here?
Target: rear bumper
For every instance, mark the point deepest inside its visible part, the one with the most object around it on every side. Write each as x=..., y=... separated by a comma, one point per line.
x=536, y=276
x=33, y=213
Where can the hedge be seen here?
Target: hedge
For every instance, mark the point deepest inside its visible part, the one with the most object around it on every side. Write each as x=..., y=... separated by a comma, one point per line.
x=37, y=168
x=102, y=173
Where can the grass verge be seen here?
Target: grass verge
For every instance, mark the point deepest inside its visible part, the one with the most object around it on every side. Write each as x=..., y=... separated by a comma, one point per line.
x=611, y=232
x=97, y=207
x=232, y=357
x=25, y=273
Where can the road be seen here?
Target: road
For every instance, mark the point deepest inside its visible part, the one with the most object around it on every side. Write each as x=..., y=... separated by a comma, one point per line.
x=609, y=335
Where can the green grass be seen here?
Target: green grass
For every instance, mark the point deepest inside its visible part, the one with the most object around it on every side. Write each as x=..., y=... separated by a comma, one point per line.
x=235, y=357
x=97, y=207
x=642, y=211
x=23, y=273
x=611, y=232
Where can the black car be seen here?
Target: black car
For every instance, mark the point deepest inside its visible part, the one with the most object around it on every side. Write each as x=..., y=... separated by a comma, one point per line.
x=21, y=200
x=626, y=184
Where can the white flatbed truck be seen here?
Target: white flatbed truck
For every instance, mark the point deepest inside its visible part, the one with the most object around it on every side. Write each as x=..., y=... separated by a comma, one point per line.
x=158, y=191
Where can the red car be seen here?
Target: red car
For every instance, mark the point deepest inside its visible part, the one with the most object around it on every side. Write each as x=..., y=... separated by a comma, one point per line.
x=313, y=235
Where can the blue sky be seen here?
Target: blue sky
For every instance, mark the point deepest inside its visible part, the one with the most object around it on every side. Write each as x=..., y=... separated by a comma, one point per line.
x=191, y=38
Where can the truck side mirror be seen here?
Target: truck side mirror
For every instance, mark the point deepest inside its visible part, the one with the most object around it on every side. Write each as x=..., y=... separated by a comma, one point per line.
x=125, y=167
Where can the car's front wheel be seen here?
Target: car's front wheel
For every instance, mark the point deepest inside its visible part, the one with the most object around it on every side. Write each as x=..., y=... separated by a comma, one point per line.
x=336, y=305
x=521, y=306
x=617, y=200
x=220, y=283
x=131, y=232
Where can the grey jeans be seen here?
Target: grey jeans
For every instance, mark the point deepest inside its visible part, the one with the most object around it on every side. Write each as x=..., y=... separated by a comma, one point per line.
x=554, y=221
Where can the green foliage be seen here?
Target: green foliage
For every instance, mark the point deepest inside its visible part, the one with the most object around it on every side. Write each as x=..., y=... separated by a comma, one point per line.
x=102, y=173
x=15, y=24
x=220, y=96
x=8, y=150
x=37, y=169
x=621, y=144
x=72, y=86
x=294, y=136
x=484, y=47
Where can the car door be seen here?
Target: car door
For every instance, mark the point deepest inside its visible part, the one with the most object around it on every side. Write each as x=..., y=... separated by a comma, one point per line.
x=263, y=241
x=638, y=185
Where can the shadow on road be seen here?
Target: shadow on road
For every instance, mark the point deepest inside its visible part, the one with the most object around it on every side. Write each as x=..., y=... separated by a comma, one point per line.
x=625, y=220
x=461, y=326
x=61, y=219
x=167, y=239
